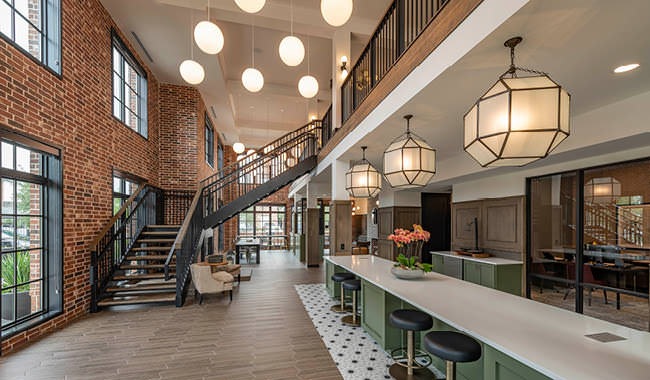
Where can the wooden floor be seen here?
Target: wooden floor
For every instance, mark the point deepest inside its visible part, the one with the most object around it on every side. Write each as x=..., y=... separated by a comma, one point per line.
x=264, y=334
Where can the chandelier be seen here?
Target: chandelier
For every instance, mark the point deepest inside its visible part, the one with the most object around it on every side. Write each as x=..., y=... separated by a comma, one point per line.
x=362, y=180
x=409, y=161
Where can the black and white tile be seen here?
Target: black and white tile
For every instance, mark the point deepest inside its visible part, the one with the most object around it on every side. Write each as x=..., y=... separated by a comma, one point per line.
x=356, y=354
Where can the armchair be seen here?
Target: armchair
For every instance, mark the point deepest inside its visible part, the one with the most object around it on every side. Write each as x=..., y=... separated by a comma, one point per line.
x=206, y=282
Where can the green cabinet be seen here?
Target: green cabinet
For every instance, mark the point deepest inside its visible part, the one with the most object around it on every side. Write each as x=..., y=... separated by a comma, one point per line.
x=506, y=278
x=464, y=371
x=498, y=366
x=376, y=306
x=449, y=266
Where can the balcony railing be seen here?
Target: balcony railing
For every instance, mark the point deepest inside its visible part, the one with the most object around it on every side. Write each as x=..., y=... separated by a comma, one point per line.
x=400, y=26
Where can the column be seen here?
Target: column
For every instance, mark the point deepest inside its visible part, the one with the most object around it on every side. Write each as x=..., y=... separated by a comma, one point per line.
x=314, y=238
x=397, y=209
x=340, y=212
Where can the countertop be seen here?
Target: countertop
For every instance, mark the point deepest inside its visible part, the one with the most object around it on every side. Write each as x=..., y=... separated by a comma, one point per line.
x=486, y=260
x=548, y=339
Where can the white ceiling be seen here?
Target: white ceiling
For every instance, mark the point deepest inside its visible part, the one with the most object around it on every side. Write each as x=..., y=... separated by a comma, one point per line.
x=577, y=42
x=164, y=27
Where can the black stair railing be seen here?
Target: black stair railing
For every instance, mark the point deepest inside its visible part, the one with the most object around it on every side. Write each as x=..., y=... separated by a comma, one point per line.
x=403, y=22
x=113, y=242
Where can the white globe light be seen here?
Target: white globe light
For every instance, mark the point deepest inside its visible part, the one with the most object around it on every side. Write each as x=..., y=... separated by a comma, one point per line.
x=336, y=12
x=208, y=37
x=308, y=86
x=251, y=6
x=252, y=79
x=192, y=72
x=291, y=50
x=238, y=147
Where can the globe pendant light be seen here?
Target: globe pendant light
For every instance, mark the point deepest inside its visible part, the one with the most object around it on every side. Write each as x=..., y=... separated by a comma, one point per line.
x=308, y=85
x=291, y=49
x=251, y=78
x=250, y=6
x=519, y=120
x=208, y=36
x=362, y=180
x=238, y=148
x=409, y=161
x=336, y=12
x=191, y=71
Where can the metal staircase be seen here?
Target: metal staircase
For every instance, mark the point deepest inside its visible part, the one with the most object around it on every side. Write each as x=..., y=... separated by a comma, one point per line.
x=143, y=257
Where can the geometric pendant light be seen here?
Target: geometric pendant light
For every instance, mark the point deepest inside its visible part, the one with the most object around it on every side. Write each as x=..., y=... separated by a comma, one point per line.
x=362, y=180
x=519, y=119
x=409, y=161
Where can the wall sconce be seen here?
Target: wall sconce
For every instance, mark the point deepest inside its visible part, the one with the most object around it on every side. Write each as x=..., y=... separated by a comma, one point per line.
x=344, y=67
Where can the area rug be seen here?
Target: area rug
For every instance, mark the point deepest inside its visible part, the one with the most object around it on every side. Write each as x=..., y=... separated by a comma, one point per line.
x=356, y=354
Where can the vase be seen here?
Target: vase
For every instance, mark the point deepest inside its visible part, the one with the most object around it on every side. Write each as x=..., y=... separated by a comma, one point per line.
x=407, y=274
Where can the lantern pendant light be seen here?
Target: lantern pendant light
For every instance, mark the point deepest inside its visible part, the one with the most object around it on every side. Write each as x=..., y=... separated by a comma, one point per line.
x=191, y=71
x=308, y=85
x=291, y=49
x=409, y=161
x=250, y=6
x=251, y=78
x=208, y=36
x=519, y=119
x=362, y=180
x=336, y=12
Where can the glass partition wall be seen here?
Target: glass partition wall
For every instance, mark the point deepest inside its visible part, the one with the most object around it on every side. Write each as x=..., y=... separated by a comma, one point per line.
x=589, y=242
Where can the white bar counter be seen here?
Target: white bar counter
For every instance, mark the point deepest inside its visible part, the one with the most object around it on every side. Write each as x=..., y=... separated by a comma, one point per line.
x=486, y=260
x=548, y=339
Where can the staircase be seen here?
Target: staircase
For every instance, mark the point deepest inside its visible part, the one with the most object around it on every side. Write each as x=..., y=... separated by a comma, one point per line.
x=140, y=278
x=138, y=258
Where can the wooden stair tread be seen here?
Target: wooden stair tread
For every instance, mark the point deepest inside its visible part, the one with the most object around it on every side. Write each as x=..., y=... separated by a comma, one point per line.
x=170, y=285
x=146, y=257
x=140, y=276
x=161, y=248
x=145, y=241
x=133, y=300
x=173, y=233
x=177, y=226
x=145, y=266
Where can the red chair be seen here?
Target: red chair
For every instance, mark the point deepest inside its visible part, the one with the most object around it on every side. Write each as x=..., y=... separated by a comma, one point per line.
x=587, y=278
x=540, y=270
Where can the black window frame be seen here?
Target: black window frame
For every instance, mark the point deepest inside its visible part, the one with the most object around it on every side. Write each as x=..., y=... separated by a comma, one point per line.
x=141, y=92
x=209, y=141
x=50, y=30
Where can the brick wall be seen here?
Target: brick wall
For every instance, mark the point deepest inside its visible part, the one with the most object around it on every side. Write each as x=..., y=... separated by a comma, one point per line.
x=74, y=112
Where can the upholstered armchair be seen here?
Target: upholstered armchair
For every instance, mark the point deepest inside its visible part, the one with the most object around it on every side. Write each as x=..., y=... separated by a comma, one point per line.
x=206, y=282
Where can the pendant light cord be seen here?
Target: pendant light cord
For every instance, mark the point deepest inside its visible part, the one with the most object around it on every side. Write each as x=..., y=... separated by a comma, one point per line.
x=512, y=70
x=191, y=41
x=308, y=51
x=291, y=12
x=253, y=42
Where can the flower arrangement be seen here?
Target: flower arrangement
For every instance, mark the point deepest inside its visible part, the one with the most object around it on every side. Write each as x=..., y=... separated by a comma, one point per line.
x=409, y=245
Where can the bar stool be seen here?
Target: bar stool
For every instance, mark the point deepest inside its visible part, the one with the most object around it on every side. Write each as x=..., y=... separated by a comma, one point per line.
x=355, y=286
x=453, y=347
x=406, y=367
x=340, y=277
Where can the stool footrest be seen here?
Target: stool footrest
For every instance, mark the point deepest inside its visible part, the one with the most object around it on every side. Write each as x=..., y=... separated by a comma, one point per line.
x=349, y=320
x=400, y=357
x=337, y=309
x=401, y=373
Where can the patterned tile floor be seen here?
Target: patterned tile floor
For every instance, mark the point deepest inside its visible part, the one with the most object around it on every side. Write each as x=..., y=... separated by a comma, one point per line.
x=356, y=354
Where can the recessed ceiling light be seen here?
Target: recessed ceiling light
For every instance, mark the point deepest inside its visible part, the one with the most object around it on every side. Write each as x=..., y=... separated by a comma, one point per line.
x=626, y=68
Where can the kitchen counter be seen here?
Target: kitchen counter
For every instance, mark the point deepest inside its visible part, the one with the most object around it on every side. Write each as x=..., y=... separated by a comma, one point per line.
x=486, y=260
x=547, y=339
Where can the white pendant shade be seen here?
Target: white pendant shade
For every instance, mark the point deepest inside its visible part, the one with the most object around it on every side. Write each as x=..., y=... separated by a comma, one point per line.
x=308, y=86
x=208, y=37
x=363, y=180
x=238, y=147
x=517, y=121
x=192, y=72
x=602, y=190
x=409, y=161
x=250, y=6
x=252, y=79
x=336, y=12
x=291, y=50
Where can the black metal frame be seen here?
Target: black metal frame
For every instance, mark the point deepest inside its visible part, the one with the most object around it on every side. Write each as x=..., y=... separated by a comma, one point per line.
x=406, y=139
x=364, y=168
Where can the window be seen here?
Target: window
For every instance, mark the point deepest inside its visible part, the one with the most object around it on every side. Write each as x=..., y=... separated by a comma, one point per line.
x=209, y=141
x=122, y=190
x=31, y=255
x=266, y=222
x=129, y=89
x=34, y=26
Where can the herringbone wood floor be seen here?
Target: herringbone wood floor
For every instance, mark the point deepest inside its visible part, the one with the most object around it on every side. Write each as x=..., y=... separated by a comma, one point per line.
x=265, y=333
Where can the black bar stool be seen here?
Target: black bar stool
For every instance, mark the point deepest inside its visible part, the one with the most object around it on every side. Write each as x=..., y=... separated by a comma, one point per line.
x=453, y=347
x=340, y=277
x=354, y=319
x=406, y=367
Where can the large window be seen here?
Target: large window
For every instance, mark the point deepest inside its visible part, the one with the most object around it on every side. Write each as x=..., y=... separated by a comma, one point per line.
x=129, y=89
x=265, y=221
x=209, y=141
x=122, y=190
x=34, y=26
x=589, y=249
x=31, y=256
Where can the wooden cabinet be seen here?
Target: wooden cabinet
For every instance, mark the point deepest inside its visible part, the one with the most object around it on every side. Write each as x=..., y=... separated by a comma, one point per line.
x=498, y=366
x=390, y=218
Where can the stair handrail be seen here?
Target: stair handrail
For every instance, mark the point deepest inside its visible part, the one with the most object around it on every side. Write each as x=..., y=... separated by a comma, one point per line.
x=313, y=126
x=103, y=259
x=93, y=243
x=182, y=231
